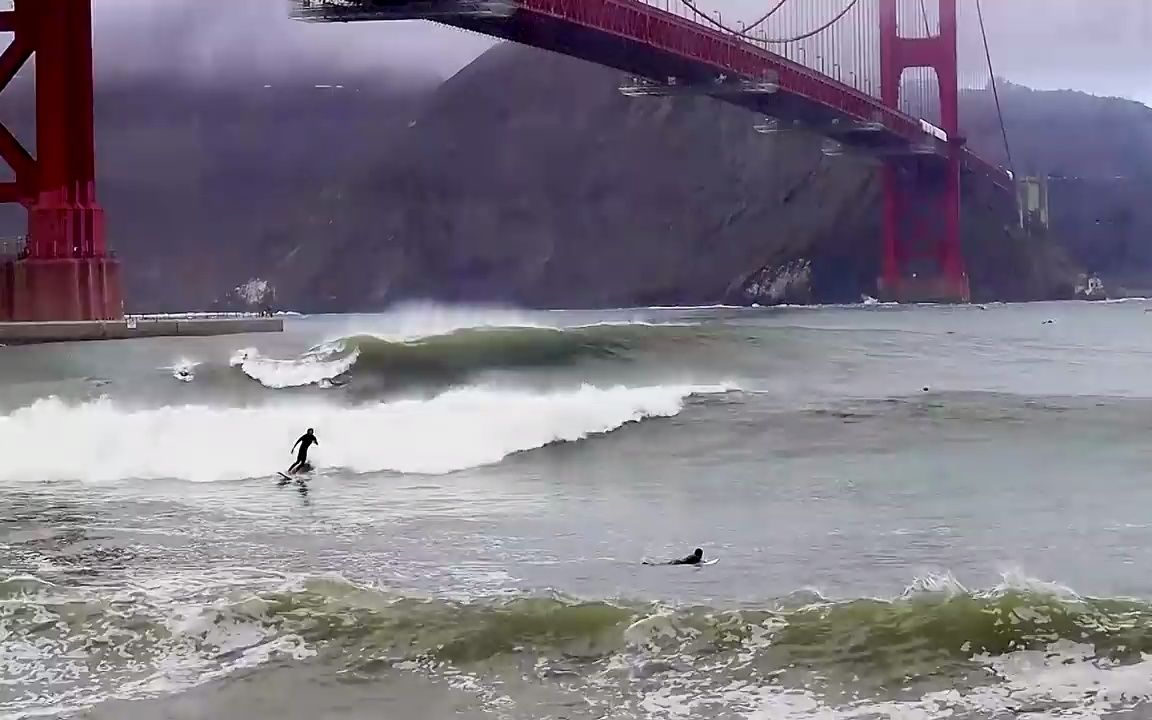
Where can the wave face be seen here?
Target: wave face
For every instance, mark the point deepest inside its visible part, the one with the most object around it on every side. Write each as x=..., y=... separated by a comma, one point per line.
x=459, y=354
x=956, y=654
x=455, y=430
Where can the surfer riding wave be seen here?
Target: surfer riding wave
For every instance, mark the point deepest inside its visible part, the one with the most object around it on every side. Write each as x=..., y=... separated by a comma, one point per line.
x=306, y=441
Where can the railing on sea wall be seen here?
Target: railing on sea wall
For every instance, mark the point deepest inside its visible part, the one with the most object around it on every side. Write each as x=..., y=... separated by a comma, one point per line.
x=12, y=248
x=160, y=317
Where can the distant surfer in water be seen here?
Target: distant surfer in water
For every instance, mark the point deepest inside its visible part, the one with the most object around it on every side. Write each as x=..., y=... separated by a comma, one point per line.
x=695, y=558
x=306, y=441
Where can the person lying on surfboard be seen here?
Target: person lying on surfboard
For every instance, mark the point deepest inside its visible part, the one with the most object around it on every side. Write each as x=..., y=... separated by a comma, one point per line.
x=306, y=441
x=694, y=559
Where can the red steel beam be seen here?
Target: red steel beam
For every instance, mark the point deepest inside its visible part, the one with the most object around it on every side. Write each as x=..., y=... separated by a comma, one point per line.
x=13, y=58
x=65, y=274
x=657, y=32
x=10, y=192
x=654, y=30
x=661, y=30
x=18, y=158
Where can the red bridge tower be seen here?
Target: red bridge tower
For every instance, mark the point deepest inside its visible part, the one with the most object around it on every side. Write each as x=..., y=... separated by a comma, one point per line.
x=922, y=254
x=64, y=272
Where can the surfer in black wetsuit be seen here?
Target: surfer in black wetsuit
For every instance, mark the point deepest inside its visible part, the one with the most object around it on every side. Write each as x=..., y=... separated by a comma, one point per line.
x=695, y=558
x=306, y=441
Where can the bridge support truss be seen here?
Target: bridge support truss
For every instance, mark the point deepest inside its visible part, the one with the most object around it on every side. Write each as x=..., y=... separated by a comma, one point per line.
x=923, y=260
x=65, y=271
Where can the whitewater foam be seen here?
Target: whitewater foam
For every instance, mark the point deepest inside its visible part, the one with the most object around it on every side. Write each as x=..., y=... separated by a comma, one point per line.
x=1065, y=680
x=662, y=661
x=184, y=370
x=317, y=366
x=416, y=320
x=421, y=320
x=82, y=647
x=935, y=584
x=484, y=425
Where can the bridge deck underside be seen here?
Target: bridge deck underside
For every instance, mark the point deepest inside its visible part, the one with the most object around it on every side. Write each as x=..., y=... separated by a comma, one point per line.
x=647, y=42
x=626, y=55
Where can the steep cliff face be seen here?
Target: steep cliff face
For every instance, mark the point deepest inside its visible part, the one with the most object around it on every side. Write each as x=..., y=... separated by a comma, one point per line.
x=209, y=186
x=529, y=178
x=206, y=188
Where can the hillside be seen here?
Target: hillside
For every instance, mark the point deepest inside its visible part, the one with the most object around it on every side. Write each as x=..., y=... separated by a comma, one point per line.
x=208, y=185
x=1063, y=133
x=527, y=178
x=1099, y=152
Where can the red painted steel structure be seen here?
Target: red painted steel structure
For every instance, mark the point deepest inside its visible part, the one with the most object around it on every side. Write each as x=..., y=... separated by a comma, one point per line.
x=65, y=272
x=922, y=254
x=645, y=40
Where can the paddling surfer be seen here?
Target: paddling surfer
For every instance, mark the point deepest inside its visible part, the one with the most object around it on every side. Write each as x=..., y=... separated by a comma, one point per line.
x=696, y=558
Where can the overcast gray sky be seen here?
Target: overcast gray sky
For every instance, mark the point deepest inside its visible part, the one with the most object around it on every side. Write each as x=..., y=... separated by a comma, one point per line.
x=210, y=39
x=1102, y=46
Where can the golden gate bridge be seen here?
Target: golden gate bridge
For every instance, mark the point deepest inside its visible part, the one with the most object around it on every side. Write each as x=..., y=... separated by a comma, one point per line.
x=876, y=78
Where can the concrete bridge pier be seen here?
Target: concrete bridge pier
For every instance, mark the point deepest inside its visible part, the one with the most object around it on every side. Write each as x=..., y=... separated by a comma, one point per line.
x=922, y=259
x=1032, y=197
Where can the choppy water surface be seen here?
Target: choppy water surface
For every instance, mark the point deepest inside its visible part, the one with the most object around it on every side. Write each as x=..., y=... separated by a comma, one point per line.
x=918, y=513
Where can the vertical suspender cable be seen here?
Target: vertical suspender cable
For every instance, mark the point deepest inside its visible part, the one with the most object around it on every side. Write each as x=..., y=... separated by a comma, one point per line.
x=995, y=89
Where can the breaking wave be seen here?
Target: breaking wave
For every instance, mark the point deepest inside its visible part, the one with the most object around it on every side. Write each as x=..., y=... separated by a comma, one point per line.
x=955, y=654
x=460, y=354
x=205, y=443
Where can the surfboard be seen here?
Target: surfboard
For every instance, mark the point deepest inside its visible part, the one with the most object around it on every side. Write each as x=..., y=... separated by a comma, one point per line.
x=710, y=561
x=286, y=480
x=301, y=475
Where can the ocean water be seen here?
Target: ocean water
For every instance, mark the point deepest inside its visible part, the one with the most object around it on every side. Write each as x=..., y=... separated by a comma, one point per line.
x=918, y=513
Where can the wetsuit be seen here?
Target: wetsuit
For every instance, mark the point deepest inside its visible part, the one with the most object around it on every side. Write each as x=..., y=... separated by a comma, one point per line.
x=306, y=441
x=690, y=560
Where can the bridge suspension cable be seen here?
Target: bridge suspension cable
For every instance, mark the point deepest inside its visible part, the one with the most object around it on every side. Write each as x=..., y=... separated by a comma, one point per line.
x=924, y=14
x=771, y=41
x=919, y=94
x=995, y=88
x=745, y=33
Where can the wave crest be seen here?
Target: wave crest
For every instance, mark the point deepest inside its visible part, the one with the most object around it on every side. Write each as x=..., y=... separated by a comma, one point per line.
x=314, y=367
x=453, y=431
x=871, y=645
x=855, y=634
x=988, y=648
x=862, y=635
x=459, y=354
